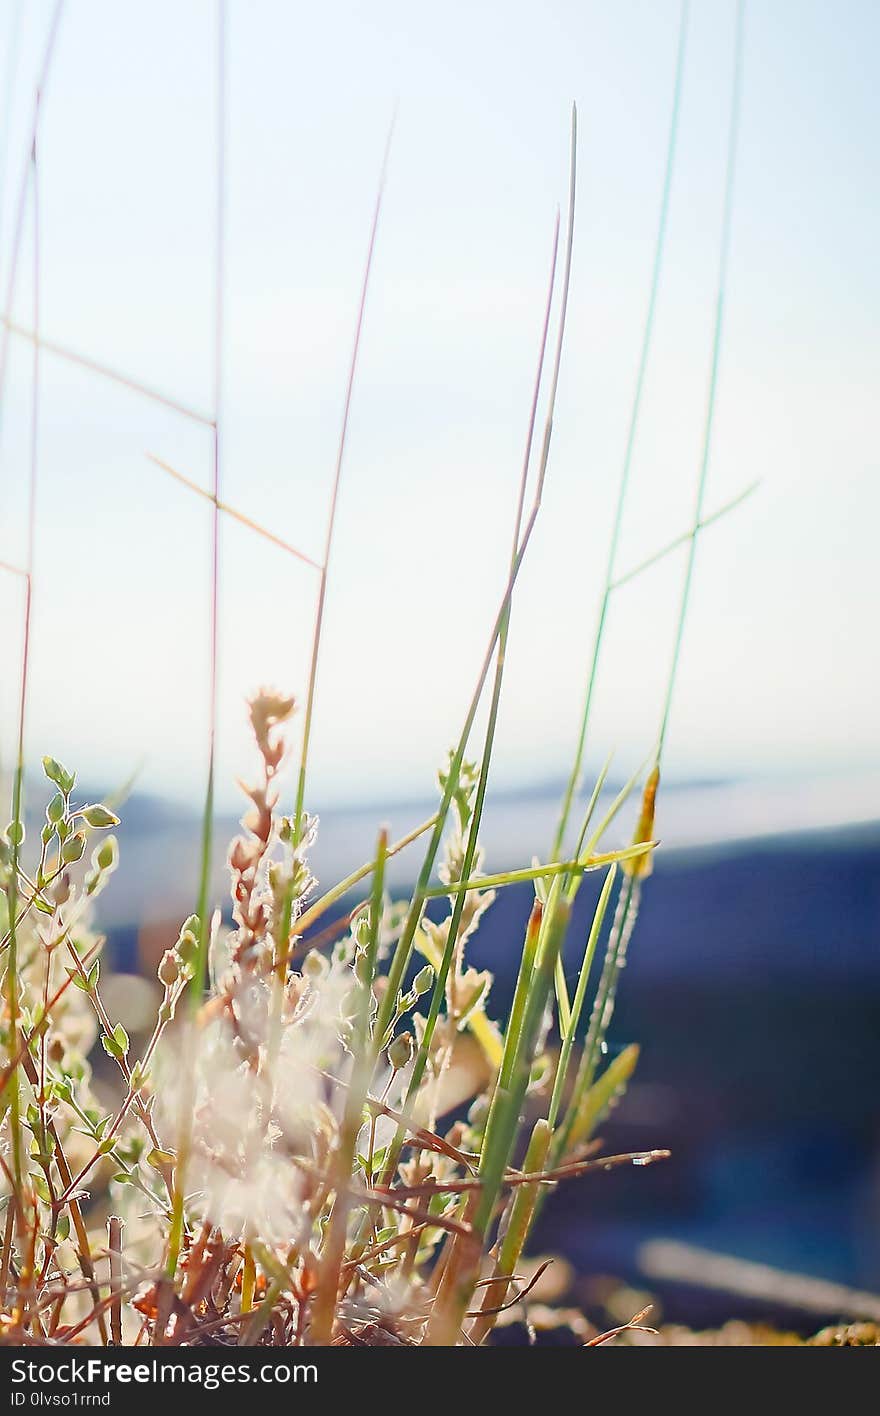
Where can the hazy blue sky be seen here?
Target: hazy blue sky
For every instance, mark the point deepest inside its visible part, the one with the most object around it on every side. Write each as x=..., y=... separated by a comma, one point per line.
x=779, y=671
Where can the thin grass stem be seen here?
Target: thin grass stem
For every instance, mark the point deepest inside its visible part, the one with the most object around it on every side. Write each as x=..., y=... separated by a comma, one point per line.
x=685, y=536
x=214, y=574
x=504, y=625
x=570, y=1031
x=18, y=780
x=603, y=1006
x=709, y=423
x=623, y=485
x=402, y=955
x=334, y=494
x=321, y=906
x=325, y=1303
x=235, y=515
x=21, y=206
x=197, y=985
x=404, y=949
x=106, y=371
x=542, y=872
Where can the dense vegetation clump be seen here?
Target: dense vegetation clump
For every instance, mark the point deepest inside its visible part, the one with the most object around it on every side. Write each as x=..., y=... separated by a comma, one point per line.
x=277, y=1164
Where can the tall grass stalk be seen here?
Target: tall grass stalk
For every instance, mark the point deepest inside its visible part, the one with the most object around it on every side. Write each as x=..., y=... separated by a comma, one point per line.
x=635, y=411
x=29, y=183
x=404, y=948
x=497, y=638
x=334, y=498
x=207, y=833
x=462, y=1270
x=630, y=895
x=214, y=570
x=298, y=823
x=24, y=188
x=17, y=831
x=522, y=536
x=504, y=625
x=711, y=396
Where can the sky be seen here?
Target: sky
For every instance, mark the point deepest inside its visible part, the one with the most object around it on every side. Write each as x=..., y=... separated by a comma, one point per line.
x=778, y=675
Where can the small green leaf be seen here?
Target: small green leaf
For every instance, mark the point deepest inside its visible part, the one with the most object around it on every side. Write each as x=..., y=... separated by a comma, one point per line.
x=111, y=1047
x=121, y=1037
x=40, y=1185
x=42, y=1189
x=157, y=1158
x=86, y=984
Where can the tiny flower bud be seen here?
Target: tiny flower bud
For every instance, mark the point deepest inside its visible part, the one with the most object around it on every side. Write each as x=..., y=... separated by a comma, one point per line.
x=314, y=966
x=55, y=809
x=63, y=780
x=362, y=968
x=423, y=980
x=188, y=940
x=100, y=817
x=639, y=867
x=60, y=892
x=169, y=968
x=73, y=848
x=400, y=1051
x=107, y=854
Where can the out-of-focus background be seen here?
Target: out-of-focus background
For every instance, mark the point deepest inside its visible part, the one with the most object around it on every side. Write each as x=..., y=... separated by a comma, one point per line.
x=754, y=981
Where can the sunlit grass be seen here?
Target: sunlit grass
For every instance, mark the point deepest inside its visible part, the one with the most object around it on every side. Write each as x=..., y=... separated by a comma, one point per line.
x=286, y=1150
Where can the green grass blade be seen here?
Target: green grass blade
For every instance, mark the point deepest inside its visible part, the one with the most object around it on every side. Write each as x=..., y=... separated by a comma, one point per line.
x=623, y=485
x=568, y=1030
